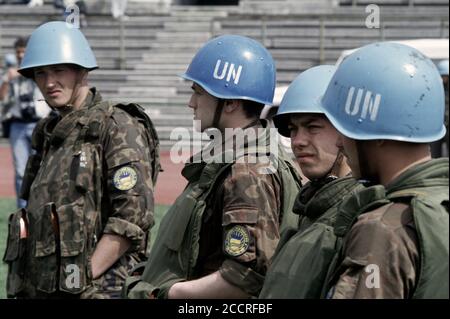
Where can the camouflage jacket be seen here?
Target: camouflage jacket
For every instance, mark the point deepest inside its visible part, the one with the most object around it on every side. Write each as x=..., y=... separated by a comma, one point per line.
x=227, y=220
x=93, y=174
x=396, y=238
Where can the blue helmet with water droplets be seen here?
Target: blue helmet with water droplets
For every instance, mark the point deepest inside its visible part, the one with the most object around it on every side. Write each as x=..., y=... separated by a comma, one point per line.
x=387, y=91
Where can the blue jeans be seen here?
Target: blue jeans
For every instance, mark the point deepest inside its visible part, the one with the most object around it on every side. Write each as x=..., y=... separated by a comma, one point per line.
x=20, y=140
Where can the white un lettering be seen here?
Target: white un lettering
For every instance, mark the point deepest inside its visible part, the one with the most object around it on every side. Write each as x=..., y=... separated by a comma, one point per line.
x=370, y=106
x=229, y=71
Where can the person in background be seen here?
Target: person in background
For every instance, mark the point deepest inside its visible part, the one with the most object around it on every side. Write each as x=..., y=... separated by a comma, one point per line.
x=118, y=9
x=22, y=108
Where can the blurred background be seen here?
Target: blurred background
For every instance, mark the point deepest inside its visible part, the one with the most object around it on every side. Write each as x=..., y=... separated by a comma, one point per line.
x=141, y=46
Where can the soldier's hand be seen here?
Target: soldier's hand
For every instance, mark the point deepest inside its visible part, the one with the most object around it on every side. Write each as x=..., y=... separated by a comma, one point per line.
x=12, y=74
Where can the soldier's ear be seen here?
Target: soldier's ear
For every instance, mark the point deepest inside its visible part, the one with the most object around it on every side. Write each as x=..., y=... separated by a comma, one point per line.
x=84, y=76
x=231, y=105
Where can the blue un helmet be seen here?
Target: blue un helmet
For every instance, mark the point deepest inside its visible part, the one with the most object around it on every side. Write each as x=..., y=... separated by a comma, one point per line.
x=57, y=43
x=387, y=91
x=303, y=95
x=234, y=67
x=443, y=67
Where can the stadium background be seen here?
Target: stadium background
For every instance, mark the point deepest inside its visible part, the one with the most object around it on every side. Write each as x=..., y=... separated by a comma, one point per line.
x=139, y=58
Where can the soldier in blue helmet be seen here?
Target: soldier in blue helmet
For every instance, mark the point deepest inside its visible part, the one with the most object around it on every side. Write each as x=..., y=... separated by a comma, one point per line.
x=300, y=265
x=89, y=184
x=387, y=101
x=219, y=235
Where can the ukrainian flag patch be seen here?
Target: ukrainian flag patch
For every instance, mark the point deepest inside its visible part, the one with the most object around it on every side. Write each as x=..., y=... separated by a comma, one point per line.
x=125, y=178
x=236, y=241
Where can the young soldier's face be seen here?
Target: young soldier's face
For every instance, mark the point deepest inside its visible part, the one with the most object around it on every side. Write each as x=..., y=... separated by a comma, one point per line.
x=204, y=106
x=313, y=142
x=58, y=83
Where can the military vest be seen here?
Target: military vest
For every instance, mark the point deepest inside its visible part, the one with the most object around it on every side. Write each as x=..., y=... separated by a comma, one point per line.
x=63, y=232
x=175, y=250
x=425, y=188
x=300, y=264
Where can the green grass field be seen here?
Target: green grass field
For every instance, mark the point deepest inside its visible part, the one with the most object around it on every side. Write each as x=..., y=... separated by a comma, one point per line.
x=8, y=206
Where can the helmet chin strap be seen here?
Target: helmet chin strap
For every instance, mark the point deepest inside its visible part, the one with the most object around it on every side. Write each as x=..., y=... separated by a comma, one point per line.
x=333, y=172
x=218, y=113
x=366, y=178
x=335, y=168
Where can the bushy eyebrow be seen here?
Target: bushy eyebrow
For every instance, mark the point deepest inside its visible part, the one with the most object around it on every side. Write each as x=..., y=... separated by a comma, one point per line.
x=53, y=67
x=305, y=121
x=196, y=88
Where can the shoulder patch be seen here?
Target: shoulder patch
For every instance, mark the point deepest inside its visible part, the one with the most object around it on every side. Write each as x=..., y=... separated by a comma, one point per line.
x=125, y=178
x=236, y=241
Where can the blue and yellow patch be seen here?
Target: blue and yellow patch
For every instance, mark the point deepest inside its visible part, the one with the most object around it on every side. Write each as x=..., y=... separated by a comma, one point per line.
x=236, y=241
x=125, y=178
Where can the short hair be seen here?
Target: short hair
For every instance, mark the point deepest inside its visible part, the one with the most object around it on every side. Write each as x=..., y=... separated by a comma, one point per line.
x=21, y=42
x=252, y=109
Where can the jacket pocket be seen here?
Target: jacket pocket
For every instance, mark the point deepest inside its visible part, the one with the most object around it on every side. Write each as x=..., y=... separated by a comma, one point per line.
x=45, y=247
x=178, y=219
x=73, y=252
x=15, y=253
x=179, y=243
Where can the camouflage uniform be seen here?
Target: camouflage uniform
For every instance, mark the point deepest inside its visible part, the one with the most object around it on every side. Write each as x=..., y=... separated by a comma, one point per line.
x=227, y=220
x=93, y=174
x=246, y=199
x=399, y=247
